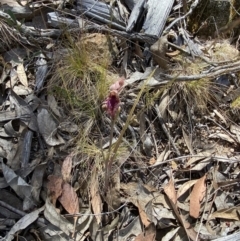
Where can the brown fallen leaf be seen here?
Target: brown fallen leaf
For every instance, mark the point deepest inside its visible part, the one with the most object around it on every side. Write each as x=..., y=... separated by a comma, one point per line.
x=70, y=202
x=187, y=185
x=143, y=215
x=67, y=168
x=169, y=189
x=197, y=196
x=96, y=198
x=69, y=199
x=22, y=75
x=142, y=237
x=54, y=187
x=148, y=235
x=227, y=213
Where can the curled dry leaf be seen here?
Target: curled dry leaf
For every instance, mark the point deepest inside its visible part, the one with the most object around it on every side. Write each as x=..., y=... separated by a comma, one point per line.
x=54, y=187
x=67, y=168
x=196, y=196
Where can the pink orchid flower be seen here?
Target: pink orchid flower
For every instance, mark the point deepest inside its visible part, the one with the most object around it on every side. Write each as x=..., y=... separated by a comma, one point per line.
x=112, y=103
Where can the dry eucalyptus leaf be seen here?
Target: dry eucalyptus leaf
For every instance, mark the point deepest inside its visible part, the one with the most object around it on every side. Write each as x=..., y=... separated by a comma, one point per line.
x=22, y=75
x=52, y=103
x=188, y=141
x=170, y=234
x=21, y=188
x=144, y=237
x=235, y=129
x=199, y=156
x=164, y=103
x=23, y=223
x=220, y=116
x=48, y=128
x=41, y=72
x=57, y=219
x=69, y=199
x=202, y=164
x=37, y=181
x=54, y=187
x=145, y=220
x=169, y=189
x=134, y=228
x=161, y=157
x=9, y=150
x=23, y=111
x=22, y=90
x=222, y=136
x=182, y=189
x=197, y=196
x=67, y=168
x=95, y=195
x=227, y=213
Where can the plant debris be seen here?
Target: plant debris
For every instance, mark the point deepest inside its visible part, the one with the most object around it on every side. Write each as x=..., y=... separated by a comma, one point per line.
x=119, y=120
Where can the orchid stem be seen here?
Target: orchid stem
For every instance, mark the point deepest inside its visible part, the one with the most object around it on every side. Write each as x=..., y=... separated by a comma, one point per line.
x=107, y=161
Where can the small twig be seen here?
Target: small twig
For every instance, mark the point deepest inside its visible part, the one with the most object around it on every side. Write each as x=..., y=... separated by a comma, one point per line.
x=194, y=5
x=11, y=208
x=214, y=158
x=225, y=130
x=97, y=214
x=212, y=74
x=152, y=133
x=166, y=131
x=133, y=135
x=19, y=212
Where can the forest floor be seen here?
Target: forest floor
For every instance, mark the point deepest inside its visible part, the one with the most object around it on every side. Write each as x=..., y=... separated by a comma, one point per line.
x=107, y=135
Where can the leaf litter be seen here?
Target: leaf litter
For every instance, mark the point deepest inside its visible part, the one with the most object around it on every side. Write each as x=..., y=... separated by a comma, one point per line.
x=99, y=143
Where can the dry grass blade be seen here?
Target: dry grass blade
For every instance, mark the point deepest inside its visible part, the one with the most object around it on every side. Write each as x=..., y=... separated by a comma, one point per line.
x=196, y=196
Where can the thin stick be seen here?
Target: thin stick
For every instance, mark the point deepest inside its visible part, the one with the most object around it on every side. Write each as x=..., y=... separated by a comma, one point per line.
x=166, y=131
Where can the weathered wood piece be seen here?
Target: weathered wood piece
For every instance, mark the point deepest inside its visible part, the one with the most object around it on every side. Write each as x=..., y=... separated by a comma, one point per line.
x=135, y=15
x=158, y=12
x=101, y=12
x=55, y=20
x=130, y=3
x=18, y=10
